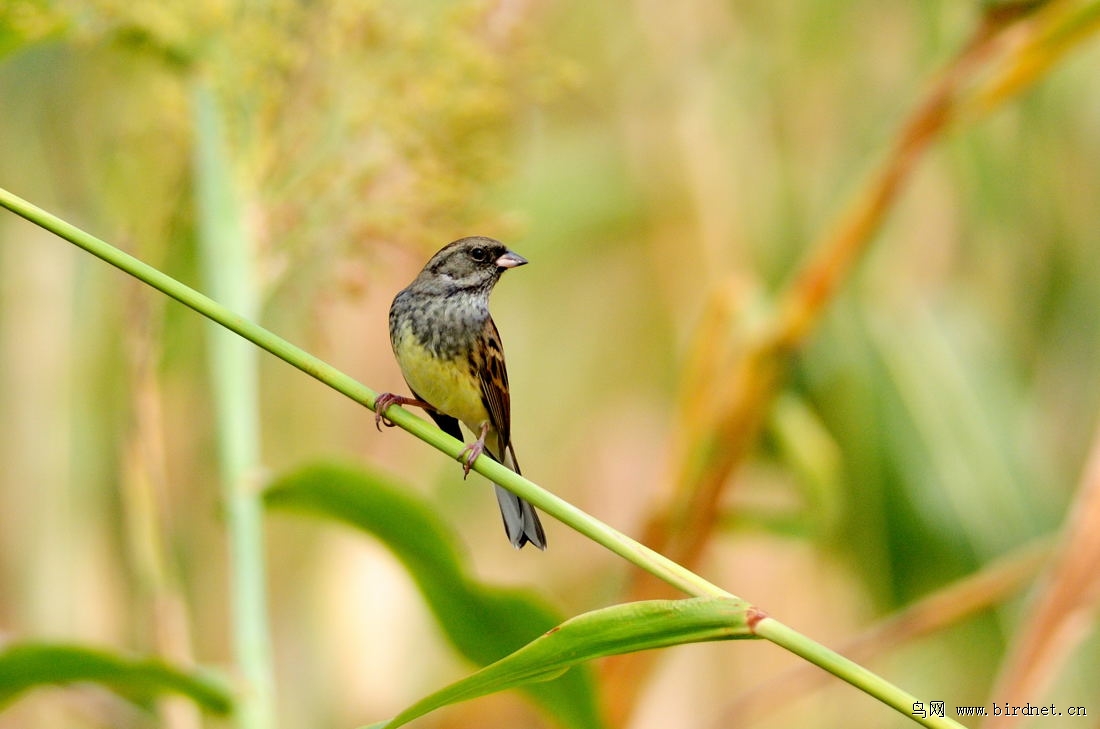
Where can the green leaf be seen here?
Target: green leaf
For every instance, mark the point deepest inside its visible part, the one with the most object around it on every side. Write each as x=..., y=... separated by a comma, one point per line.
x=618, y=629
x=27, y=665
x=483, y=622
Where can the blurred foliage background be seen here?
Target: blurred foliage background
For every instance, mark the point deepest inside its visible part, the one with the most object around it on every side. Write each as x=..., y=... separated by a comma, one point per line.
x=649, y=159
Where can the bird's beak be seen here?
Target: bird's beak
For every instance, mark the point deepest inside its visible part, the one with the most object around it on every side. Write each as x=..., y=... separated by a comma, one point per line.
x=511, y=259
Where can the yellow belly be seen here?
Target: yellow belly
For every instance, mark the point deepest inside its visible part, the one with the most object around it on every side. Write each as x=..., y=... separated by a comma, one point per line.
x=444, y=384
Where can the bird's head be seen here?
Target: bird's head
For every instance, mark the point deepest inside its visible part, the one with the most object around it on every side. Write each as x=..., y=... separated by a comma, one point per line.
x=474, y=263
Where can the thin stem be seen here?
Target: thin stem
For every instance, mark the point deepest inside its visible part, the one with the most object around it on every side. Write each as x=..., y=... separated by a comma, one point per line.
x=634, y=552
x=946, y=607
x=224, y=253
x=851, y=672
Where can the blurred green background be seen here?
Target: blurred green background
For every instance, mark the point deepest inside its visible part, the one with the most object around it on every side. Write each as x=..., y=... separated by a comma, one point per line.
x=641, y=155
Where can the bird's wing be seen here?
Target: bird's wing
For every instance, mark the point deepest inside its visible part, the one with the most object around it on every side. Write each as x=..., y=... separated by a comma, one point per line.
x=493, y=376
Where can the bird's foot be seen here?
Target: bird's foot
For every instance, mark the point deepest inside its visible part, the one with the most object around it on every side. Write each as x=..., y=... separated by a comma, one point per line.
x=470, y=453
x=388, y=399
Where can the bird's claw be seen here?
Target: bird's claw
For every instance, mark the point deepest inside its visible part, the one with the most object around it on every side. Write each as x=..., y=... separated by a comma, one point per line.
x=473, y=450
x=382, y=403
x=469, y=455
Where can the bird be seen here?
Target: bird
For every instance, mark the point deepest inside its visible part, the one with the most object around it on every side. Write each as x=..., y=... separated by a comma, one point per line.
x=451, y=356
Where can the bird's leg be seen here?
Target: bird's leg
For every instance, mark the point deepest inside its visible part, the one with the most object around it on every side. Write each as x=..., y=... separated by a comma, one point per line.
x=387, y=399
x=470, y=453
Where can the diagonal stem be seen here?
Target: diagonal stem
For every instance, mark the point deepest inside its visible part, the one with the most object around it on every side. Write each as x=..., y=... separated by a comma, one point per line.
x=634, y=552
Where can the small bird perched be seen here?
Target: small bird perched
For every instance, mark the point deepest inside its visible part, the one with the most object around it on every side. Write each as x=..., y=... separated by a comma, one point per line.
x=450, y=354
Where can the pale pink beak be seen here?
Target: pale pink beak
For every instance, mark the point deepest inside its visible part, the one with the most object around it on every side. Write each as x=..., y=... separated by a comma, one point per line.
x=511, y=259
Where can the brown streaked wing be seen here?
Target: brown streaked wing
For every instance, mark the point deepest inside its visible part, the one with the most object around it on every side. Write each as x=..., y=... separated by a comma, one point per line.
x=494, y=383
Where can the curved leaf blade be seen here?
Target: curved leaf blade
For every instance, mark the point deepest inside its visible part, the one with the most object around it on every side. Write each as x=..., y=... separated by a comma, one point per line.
x=610, y=631
x=27, y=665
x=483, y=622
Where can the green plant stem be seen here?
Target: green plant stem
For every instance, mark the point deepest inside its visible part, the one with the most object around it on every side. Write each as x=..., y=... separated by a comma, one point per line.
x=848, y=670
x=622, y=545
x=224, y=254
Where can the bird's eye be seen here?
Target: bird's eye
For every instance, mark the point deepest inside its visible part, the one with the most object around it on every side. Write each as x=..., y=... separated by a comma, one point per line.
x=479, y=254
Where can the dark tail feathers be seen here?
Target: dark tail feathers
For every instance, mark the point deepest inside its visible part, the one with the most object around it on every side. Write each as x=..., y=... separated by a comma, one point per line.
x=521, y=521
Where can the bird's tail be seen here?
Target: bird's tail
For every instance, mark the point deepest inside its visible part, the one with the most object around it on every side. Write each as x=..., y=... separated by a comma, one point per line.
x=521, y=521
